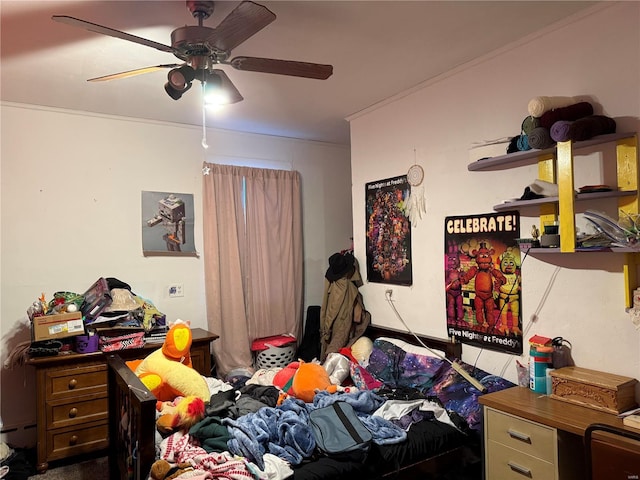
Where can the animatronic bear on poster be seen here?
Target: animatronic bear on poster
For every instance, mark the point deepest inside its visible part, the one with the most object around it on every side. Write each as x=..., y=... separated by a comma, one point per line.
x=482, y=280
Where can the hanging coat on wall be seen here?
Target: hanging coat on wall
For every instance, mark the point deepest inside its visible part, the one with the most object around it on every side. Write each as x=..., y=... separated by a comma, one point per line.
x=343, y=318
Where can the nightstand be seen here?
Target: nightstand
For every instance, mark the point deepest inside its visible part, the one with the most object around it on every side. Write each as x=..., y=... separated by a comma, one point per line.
x=529, y=435
x=73, y=411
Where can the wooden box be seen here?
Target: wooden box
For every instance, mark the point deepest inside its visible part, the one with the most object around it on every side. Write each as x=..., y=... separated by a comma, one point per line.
x=590, y=388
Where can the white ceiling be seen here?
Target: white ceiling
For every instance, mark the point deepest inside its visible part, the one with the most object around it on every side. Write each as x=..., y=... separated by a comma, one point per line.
x=377, y=48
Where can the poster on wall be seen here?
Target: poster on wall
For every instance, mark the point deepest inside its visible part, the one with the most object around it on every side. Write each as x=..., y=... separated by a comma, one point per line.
x=482, y=280
x=167, y=224
x=388, y=232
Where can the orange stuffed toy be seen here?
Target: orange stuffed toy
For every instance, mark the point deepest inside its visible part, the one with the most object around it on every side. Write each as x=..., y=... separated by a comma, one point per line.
x=310, y=378
x=302, y=380
x=168, y=373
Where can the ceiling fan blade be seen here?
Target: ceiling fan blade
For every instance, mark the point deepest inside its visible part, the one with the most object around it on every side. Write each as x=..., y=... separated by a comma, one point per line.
x=282, y=67
x=132, y=73
x=94, y=27
x=229, y=87
x=243, y=22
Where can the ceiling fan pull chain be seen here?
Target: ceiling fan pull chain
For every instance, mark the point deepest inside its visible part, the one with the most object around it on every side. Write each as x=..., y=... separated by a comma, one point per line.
x=205, y=145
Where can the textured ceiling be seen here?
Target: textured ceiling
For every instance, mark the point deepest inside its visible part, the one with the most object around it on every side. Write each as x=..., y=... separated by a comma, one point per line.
x=377, y=48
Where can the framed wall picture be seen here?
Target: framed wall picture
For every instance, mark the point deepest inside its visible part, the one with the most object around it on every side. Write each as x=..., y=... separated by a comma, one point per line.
x=167, y=224
x=388, y=232
x=482, y=280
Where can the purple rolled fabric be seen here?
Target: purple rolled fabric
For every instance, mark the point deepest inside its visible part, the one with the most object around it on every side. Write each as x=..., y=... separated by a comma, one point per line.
x=570, y=113
x=540, y=138
x=560, y=130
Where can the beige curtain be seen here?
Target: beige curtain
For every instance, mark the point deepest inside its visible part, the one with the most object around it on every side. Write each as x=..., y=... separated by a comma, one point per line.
x=253, y=258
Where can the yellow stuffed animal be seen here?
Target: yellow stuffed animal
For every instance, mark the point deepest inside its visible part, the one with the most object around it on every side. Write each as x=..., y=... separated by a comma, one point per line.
x=167, y=372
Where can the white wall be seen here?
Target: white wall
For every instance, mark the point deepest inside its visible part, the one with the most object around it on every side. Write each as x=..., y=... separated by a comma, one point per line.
x=596, y=54
x=71, y=212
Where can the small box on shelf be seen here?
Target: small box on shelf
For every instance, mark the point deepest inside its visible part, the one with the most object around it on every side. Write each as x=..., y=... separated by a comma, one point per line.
x=61, y=325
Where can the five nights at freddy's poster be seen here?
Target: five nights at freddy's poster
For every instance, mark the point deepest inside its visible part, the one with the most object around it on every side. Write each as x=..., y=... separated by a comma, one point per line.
x=482, y=280
x=388, y=232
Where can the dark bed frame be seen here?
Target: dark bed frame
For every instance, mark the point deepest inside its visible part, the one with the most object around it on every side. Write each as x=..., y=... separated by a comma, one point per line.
x=133, y=408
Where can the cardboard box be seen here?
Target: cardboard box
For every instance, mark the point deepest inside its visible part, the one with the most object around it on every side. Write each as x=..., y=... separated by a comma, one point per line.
x=593, y=389
x=60, y=325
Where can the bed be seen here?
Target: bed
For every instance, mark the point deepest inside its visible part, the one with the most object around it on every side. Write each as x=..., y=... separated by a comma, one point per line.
x=431, y=447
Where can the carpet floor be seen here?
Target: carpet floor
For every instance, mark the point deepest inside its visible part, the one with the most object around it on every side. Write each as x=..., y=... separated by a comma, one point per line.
x=93, y=469
x=98, y=469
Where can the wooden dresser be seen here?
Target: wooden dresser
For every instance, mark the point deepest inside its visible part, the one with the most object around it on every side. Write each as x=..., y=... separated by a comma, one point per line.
x=73, y=412
x=533, y=436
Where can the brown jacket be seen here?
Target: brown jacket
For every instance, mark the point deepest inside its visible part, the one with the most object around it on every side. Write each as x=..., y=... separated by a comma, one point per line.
x=343, y=318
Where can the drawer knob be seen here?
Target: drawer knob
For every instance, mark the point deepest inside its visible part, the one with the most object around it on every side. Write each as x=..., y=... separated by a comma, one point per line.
x=523, y=437
x=519, y=469
x=72, y=384
x=73, y=440
x=73, y=412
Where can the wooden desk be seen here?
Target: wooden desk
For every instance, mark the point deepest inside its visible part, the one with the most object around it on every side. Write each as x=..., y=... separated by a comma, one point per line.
x=529, y=435
x=71, y=389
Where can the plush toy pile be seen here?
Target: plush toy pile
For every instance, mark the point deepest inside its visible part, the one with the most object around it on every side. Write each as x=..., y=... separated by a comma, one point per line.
x=191, y=407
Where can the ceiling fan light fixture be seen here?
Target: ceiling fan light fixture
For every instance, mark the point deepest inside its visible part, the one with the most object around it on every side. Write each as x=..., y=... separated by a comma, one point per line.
x=179, y=81
x=180, y=77
x=214, y=92
x=175, y=93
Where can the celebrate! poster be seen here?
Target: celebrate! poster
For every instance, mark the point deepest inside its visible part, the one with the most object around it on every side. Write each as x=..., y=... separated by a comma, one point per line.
x=483, y=282
x=388, y=232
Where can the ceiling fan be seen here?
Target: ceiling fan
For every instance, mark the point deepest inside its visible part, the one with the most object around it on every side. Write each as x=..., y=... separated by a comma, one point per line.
x=201, y=48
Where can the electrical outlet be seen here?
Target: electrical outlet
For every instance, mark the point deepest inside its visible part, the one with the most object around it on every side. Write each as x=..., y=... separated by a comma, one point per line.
x=388, y=292
x=175, y=290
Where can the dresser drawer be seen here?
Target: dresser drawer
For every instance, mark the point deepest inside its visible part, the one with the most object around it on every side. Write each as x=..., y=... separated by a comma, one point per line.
x=61, y=383
x=505, y=463
x=64, y=442
x=527, y=437
x=77, y=412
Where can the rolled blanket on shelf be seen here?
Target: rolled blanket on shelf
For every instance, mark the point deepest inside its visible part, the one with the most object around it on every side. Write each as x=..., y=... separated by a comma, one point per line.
x=589, y=127
x=513, y=144
x=538, y=105
x=572, y=112
x=523, y=143
x=529, y=123
x=560, y=130
x=540, y=138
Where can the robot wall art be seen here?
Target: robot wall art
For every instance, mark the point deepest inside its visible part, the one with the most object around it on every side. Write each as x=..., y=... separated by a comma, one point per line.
x=167, y=223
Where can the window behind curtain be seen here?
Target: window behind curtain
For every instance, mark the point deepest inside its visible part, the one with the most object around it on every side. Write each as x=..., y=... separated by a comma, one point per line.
x=253, y=257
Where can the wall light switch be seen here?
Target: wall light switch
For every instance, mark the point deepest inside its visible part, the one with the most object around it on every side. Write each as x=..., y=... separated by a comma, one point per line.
x=176, y=290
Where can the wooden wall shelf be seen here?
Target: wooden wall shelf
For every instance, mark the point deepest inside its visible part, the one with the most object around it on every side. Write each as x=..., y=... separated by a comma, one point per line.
x=556, y=165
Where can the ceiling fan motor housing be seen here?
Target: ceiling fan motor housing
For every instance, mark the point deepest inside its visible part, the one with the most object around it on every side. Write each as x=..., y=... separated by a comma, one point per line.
x=192, y=41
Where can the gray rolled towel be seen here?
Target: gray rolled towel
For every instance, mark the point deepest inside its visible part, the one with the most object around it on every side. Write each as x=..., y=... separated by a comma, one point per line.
x=540, y=138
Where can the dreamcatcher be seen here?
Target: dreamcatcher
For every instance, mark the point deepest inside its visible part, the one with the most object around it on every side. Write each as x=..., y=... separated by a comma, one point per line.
x=416, y=204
